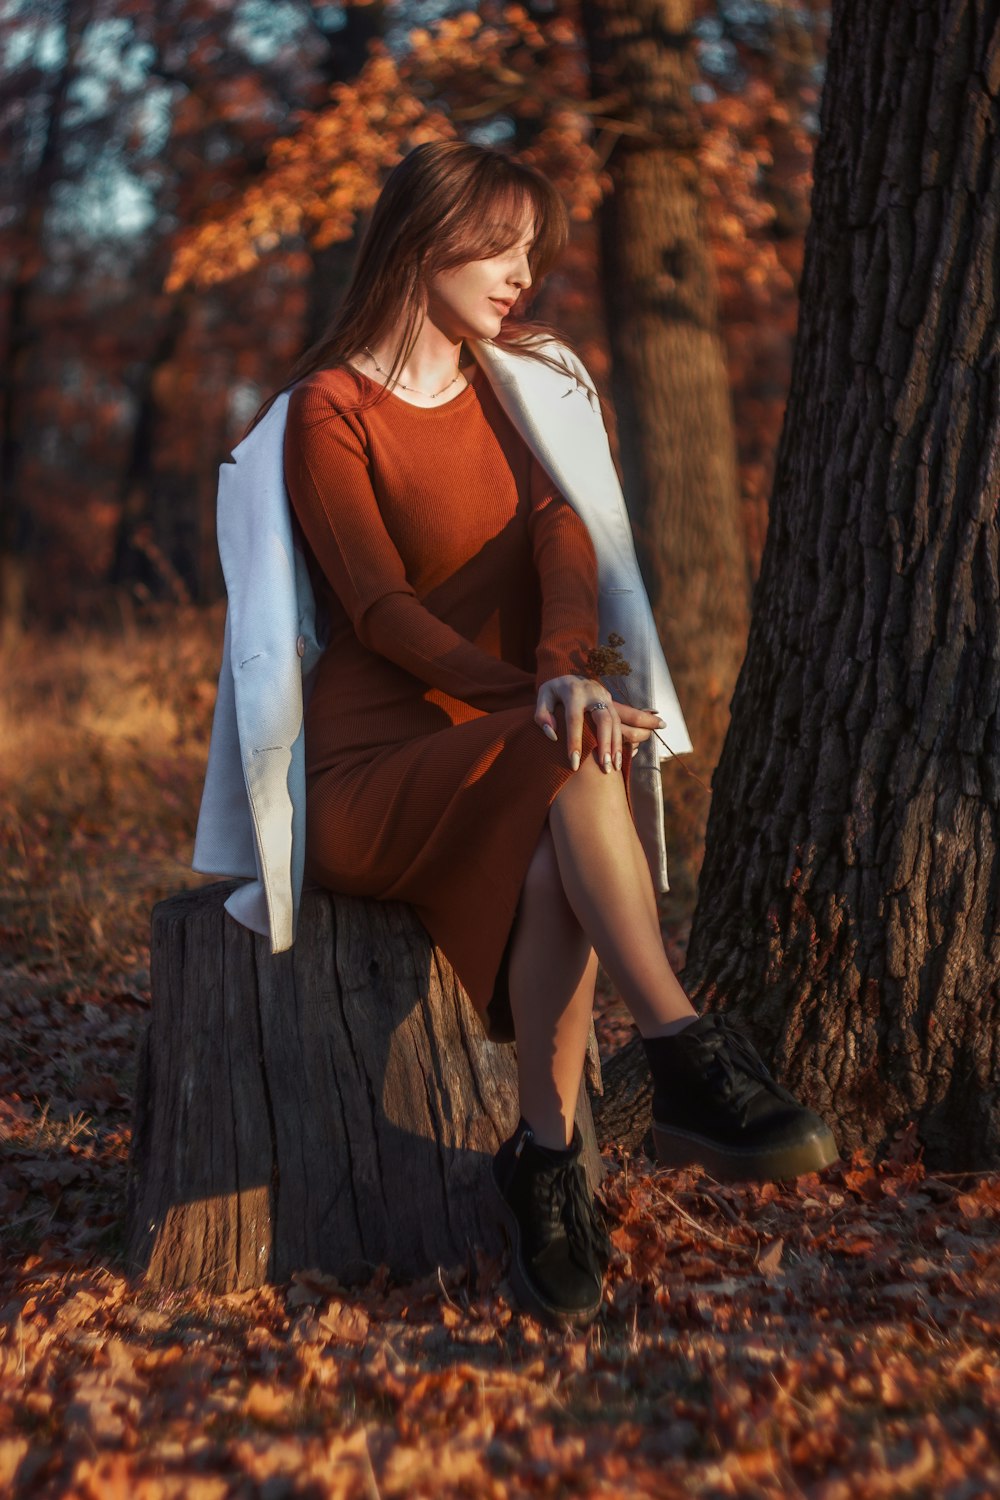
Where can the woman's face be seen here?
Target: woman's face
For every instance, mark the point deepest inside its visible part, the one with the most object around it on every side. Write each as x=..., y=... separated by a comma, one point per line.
x=471, y=301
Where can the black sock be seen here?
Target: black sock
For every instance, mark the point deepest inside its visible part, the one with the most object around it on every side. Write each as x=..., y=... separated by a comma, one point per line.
x=549, y=1153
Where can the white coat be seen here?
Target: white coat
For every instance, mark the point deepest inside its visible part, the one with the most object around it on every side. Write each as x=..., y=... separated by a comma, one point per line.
x=252, y=817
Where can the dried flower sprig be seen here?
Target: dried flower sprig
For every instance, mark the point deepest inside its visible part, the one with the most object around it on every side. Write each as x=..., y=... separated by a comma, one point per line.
x=606, y=661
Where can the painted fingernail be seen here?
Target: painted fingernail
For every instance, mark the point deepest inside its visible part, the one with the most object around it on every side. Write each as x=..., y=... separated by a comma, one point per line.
x=660, y=723
x=574, y=760
x=547, y=729
x=607, y=762
x=635, y=749
x=618, y=760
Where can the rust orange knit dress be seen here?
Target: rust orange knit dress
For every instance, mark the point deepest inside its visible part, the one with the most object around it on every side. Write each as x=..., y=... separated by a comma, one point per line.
x=455, y=579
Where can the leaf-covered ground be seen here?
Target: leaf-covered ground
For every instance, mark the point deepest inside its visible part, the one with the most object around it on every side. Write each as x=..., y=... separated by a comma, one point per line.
x=836, y=1338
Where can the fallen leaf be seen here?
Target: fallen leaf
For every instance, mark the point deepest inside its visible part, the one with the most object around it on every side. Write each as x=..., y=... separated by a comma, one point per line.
x=345, y=1322
x=12, y=1451
x=266, y=1402
x=769, y=1264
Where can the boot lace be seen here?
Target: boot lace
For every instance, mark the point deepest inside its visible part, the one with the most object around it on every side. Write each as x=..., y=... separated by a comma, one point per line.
x=736, y=1068
x=568, y=1201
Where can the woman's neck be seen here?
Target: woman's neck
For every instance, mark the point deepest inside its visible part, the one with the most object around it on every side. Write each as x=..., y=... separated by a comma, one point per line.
x=432, y=367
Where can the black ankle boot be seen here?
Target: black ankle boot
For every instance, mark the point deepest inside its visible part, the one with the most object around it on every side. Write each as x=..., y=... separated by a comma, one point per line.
x=559, y=1248
x=715, y=1103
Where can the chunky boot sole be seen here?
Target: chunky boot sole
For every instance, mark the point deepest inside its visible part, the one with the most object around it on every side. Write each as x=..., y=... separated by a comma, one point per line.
x=527, y=1295
x=682, y=1148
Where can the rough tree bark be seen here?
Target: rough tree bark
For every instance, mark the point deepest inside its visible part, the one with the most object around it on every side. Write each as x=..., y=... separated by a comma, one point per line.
x=623, y=1111
x=848, y=903
x=335, y=1106
x=669, y=378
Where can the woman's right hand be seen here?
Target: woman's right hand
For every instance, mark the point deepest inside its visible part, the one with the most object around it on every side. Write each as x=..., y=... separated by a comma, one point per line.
x=616, y=725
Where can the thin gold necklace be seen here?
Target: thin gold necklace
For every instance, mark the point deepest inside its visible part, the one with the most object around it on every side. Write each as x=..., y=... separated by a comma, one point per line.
x=431, y=395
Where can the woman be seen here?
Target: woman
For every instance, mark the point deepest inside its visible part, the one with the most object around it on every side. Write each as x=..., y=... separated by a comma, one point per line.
x=458, y=757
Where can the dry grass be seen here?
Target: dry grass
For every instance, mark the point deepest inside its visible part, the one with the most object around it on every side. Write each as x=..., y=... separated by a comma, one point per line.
x=103, y=743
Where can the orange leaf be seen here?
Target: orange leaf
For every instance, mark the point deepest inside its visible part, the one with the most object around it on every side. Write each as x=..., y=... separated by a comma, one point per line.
x=265, y=1402
x=344, y=1322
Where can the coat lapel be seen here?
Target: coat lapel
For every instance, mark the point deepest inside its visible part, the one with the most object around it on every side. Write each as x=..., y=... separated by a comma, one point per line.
x=560, y=422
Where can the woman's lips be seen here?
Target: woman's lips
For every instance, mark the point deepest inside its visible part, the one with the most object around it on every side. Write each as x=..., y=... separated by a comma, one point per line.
x=506, y=306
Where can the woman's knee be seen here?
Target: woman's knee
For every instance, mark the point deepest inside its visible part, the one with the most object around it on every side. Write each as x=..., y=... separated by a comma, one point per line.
x=601, y=793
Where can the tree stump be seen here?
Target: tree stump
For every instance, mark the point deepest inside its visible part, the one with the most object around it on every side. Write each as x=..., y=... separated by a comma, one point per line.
x=335, y=1106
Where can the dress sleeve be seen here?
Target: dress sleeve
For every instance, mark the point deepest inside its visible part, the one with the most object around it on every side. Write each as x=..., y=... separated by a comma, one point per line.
x=567, y=568
x=329, y=485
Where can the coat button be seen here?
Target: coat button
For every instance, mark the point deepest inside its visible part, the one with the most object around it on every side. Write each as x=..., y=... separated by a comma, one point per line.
x=300, y=645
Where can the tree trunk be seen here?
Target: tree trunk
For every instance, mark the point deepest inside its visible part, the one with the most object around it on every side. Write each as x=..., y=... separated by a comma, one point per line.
x=849, y=895
x=17, y=525
x=623, y=1112
x=335, y=1106
x=136, y=566
x=669, y=377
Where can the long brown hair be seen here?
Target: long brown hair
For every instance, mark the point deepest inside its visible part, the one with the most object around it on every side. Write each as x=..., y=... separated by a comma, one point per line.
x=444, y=204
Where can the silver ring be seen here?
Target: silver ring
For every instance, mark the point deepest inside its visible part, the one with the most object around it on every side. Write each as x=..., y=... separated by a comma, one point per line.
x=593, y=707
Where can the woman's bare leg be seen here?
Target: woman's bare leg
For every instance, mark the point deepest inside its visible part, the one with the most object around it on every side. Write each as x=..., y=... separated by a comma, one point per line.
x=587, y=888
x=606, y=879
x=551, y=977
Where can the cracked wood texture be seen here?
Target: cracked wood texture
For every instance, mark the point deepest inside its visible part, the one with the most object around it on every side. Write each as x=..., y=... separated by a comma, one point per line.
x=848, y=900
x=335, y=1106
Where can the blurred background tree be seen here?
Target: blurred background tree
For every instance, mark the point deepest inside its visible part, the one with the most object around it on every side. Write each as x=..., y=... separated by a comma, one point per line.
x=184, y=187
